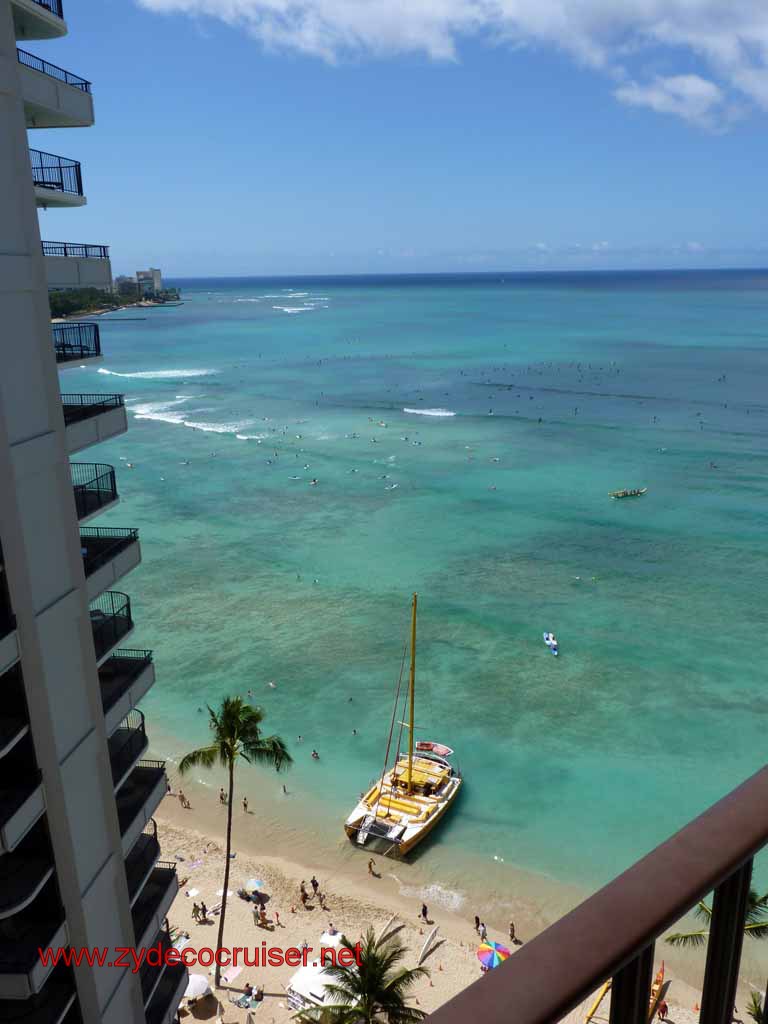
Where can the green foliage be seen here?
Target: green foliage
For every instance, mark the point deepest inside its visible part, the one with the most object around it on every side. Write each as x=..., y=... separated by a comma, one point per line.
x=375, y=991
x=84, y=300
x=755, y=923
x=755, y=1008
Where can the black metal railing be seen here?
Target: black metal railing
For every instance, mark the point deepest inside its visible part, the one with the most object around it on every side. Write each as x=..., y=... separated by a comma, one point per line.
x=611, y=935
x=54, y=6
x=168, y=993
x=149, y=974
x=83, y=407
x=118, y=673
x=76, y=250
x=126, y=744
x=100, y=544
x=7, y=618
x=142, y=858
x=152, y=894
x=76, y=340
x=136, y=790
x=56, y=172
x=110, y=620
x=94, y=485
x=29, y=60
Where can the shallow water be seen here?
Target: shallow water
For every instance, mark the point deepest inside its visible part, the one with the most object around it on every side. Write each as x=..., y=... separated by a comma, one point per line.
x=561, y=388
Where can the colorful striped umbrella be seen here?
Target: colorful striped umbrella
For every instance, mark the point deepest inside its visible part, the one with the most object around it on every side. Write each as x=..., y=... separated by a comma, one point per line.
x=491, y=954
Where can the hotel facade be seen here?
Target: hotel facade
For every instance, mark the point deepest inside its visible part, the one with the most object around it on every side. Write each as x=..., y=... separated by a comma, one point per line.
x=80, y=862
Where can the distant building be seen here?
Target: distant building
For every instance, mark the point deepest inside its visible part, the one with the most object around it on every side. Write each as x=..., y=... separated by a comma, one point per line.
x=125, y=285
x=150, y=281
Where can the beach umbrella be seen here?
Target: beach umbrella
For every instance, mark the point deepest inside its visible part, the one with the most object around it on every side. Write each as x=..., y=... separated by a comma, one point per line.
x=197, y=986
x=253, y=884
x=491, y=954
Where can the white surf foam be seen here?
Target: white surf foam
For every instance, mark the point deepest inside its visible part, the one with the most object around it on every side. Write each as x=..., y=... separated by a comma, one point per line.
x=159, y=374
x=429, y=412
x=293, y=309
x=435, y=893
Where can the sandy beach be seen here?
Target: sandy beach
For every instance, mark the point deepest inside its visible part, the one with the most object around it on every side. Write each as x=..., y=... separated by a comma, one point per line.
x=352, y=904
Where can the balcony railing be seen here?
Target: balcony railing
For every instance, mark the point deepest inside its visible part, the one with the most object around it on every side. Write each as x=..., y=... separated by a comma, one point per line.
x=168, y=993
x=142, y=858
x=56, y=172
x=110, y=620
x=118, y=673
x=54, y=6
x=83, y=407
x=29, y=60
x=94, y=485
x=22, y=934
x=149, y=975
x=25, y=870
x=7, y=618
x=155, y=888
x=50, y=1004
x=76, y=250
x=76, y=341
x=100, y=544
x=612, y=934
x=136, y=790
x=126, y=744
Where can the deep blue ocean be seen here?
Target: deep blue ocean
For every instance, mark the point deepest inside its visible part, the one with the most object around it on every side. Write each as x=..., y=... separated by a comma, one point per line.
x=464, y=432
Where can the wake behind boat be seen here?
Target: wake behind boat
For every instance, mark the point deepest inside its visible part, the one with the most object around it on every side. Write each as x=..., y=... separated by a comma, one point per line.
x=409, y=799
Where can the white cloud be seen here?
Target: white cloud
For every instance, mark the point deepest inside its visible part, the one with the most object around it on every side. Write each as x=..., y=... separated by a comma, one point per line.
x=729, y=37
x=689, y=96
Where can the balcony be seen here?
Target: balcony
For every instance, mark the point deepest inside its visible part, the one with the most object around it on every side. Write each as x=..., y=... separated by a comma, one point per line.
x=154, y=902
x=24, y=872
x=49, y=1006
x=125, y=678
x=58, y=180
x=76, y=265
x=38, y=19
x=41, y=924
x=141, y=860
x=108, y=554
x=21, y=794
x=126, y=745
x=611, y=935
x=9, y=647
x=149, y=974
x=168, y=994
x=90, y=419
x=14, y=717
x=111, y=622
x=76, y=342
x=53, y=97
x=138, y=798
x=95, y=488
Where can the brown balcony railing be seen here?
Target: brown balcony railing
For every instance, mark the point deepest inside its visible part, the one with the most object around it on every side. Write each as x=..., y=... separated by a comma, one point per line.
x=612, y=934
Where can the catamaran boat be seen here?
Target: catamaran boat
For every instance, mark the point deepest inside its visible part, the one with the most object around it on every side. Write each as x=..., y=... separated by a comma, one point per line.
x=409, y=799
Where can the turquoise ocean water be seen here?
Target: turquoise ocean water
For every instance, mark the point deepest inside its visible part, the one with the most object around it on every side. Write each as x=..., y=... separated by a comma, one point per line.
x=464, y=433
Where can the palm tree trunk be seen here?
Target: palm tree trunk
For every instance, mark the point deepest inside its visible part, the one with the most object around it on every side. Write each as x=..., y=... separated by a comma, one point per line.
x=220, y=940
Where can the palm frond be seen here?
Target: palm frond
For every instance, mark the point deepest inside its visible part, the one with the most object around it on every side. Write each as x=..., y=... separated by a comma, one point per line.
x=203, y=757
x=758, y=930
x=702, y=911
x=266, y=750
x=688, y=939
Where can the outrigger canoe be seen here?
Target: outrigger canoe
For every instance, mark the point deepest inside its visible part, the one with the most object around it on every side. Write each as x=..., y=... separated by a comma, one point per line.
x=593, y=1014
x=634, y=492
x=656, y=989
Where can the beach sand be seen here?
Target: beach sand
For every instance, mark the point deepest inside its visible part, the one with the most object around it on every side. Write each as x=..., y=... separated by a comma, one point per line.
x=353, y=904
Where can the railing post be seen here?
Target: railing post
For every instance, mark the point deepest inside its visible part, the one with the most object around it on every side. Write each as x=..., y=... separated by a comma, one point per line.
x=726, y=935
x=631, y=990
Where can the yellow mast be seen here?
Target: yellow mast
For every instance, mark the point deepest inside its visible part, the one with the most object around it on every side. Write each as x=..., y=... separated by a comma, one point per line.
x=413, y=691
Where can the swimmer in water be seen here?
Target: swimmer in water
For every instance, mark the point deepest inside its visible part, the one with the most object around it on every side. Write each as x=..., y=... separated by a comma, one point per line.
x=313, y=482
x=272, y=685
x=315, y=756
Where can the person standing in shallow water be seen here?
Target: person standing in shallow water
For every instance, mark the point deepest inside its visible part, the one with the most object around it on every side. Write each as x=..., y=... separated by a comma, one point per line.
x=245, y=804
x=424, y=914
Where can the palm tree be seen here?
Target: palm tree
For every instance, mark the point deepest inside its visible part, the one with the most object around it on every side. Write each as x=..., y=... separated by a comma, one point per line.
x=236, y=729
x=373, y=990
x=755, y=1008
x=755, y=922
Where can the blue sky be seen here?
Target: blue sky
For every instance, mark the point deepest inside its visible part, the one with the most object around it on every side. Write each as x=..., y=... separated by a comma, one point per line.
x=338, y=137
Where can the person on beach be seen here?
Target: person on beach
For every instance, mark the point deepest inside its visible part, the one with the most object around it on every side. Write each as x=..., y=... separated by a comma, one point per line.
x=331, y=929
x=222, y=796
x=483, y=931
x=184, y=802
x=477, y=923
x=372, y=867
x=315, y=885
x=663, y=1010
x=304, y=899
x=303, y=888
x=424, y=914
x=511, y=931
x=245, y=804
x=203, y=912
x=195, y=912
